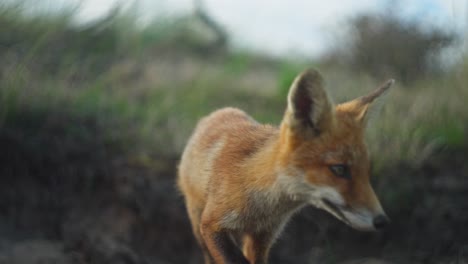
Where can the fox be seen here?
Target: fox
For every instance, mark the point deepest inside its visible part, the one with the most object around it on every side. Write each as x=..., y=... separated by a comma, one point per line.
x=242, y=180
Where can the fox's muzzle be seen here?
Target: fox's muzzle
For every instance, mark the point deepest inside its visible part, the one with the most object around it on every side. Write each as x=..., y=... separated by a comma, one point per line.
x=380, y=222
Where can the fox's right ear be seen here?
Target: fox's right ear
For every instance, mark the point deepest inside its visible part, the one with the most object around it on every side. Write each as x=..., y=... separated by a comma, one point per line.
x=309, y=111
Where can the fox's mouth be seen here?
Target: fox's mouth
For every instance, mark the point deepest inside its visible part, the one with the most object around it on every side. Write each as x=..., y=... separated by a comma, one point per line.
x=358, y=219
x=336, y=210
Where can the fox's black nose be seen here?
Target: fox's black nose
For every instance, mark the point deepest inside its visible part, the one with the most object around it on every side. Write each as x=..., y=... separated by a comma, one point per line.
x=380, y=222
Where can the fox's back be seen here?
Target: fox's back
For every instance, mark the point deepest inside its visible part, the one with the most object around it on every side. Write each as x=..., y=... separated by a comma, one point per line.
x=218, y=147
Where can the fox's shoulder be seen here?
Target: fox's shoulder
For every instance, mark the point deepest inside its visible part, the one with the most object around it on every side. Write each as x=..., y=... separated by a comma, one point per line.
x=228, y=116
x=233, y=127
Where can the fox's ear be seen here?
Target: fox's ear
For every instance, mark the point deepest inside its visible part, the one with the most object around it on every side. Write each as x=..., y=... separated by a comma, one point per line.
x=365, y=107
x=309, y=111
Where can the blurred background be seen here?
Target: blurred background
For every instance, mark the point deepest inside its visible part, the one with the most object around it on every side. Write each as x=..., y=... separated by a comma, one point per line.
x=97, y=99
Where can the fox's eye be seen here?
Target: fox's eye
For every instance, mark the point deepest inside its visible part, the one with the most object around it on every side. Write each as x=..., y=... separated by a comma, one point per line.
x=341, y=170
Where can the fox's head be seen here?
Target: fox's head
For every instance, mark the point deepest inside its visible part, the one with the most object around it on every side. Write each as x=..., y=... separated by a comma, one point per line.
x=324, y=157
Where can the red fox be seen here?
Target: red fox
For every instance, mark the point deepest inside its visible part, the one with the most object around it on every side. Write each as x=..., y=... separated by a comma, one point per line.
x=243, y=180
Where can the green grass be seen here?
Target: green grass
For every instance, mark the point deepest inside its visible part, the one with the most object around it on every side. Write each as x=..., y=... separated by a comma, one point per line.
x=286, y=75
x=147, y=100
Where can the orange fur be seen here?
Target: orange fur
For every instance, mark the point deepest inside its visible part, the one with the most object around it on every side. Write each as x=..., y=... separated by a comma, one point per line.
x=243, y=180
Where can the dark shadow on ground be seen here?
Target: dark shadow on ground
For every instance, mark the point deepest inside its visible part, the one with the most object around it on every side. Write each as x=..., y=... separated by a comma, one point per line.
x=71, y=199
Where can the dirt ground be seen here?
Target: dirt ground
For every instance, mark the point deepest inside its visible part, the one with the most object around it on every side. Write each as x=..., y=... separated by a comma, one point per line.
x=127, y=213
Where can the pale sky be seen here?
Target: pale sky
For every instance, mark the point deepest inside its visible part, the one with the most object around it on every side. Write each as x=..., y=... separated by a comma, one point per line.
x=290, y=26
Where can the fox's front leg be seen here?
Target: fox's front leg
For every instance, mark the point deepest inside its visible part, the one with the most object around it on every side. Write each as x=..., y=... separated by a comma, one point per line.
x=219, y=243
x=256, y=247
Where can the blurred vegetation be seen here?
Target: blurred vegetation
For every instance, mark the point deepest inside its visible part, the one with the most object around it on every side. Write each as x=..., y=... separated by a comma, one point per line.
x=384, y=45
x=150, y=84
x=76, y=99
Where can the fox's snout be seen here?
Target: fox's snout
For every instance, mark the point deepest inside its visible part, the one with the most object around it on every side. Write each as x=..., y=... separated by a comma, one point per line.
x=380, y=222
x=365, y=218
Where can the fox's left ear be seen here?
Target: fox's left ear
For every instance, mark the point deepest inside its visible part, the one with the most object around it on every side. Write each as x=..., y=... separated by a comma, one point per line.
x=310, y=111
x=366, y=106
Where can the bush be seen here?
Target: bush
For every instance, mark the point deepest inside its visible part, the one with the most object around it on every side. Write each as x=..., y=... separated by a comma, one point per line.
x=386, y=45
